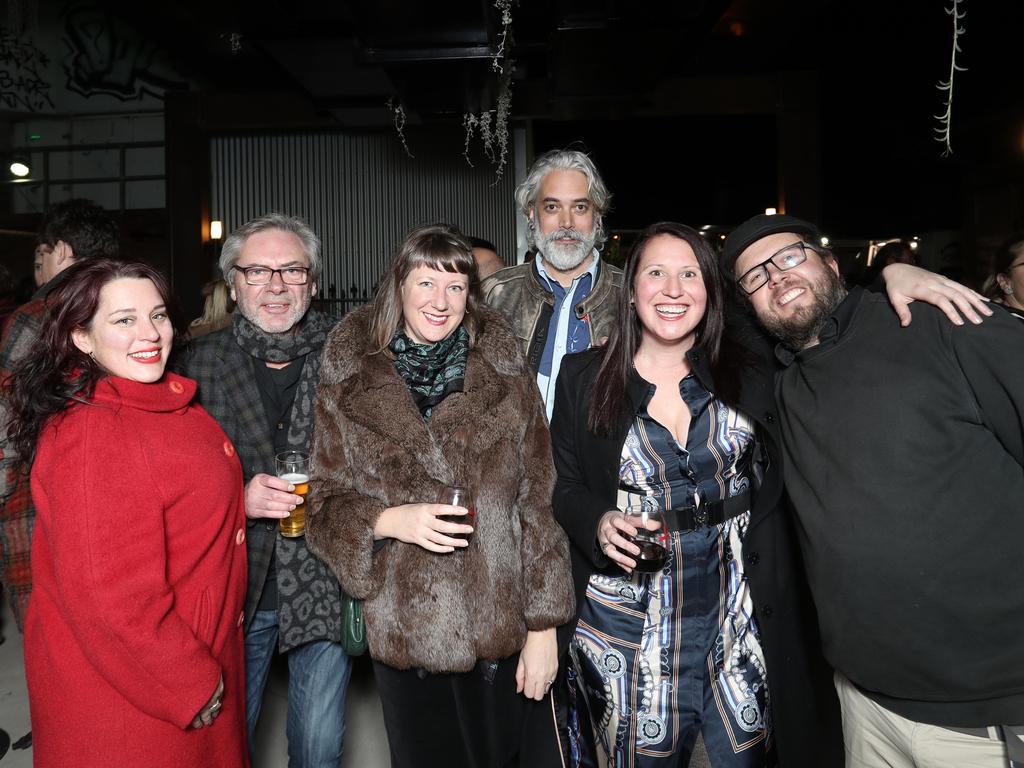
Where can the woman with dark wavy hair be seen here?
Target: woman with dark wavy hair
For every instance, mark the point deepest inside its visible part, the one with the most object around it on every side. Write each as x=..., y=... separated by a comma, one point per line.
x=133, y=646
x=677, y=647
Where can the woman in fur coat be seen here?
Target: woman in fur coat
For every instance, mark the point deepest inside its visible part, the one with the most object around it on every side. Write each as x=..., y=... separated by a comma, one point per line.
x=422, y=391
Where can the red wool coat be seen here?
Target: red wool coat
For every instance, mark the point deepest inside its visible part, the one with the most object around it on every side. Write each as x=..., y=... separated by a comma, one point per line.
x=139, y=571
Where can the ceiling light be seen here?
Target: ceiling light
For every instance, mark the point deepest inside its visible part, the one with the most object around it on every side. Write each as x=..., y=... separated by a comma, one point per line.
x=19, y=167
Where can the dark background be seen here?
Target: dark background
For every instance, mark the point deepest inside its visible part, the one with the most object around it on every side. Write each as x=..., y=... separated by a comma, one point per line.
x=703, y=111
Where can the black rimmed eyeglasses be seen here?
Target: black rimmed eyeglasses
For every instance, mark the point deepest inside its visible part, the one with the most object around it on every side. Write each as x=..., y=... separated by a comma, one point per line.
x=263, y=275
x=784, y=259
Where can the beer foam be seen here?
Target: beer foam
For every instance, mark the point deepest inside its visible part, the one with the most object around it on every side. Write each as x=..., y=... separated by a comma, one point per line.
x=295, y=478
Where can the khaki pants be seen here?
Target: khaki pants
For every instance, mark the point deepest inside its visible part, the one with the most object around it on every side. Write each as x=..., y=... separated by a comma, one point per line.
x=877, y=738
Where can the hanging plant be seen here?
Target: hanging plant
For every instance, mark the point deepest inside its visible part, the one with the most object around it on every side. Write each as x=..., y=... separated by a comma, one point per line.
x=944, y=129
x=398, y=113
x=501, y=119
x=485, y=134
x=492, y=124
x=505, y=6
x=493, y=127
x=469, y=123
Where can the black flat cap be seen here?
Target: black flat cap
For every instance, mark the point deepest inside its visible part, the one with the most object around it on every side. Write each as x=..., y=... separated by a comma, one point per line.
x=762, y=225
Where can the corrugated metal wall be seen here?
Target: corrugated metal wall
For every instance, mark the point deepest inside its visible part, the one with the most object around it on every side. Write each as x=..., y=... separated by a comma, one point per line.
x=360, y=194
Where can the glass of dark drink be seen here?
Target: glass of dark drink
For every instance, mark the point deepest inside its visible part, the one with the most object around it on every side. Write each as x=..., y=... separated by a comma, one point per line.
x=459, y=496
x=651, y=537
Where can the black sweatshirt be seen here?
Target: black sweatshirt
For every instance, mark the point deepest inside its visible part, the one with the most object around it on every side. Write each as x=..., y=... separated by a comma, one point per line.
x=904, y=450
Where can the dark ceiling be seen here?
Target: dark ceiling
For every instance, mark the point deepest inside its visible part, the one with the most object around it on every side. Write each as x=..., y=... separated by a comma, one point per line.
x=596, y=59
x=579, y=58
x=867, y=70
x=570, y=56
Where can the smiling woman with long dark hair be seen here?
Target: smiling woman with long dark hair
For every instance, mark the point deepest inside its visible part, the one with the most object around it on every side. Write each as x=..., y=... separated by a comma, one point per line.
x=133, y=648
x=713, y=637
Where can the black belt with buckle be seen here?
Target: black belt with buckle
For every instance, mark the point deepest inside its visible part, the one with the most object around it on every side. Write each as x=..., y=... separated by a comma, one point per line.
x=709, y=513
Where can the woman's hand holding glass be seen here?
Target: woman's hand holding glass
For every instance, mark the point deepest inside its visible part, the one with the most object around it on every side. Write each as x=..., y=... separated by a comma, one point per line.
x=631, y=538
x=615, y=539
x=423, y=525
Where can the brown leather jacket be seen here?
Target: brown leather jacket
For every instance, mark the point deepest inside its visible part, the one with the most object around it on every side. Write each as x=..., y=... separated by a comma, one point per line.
x=518, y=294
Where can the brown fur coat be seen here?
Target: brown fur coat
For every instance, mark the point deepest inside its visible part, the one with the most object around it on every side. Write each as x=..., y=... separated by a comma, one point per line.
x=371, y=449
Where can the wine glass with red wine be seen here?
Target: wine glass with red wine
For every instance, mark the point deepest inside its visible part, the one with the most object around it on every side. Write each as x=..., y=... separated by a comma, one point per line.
x=651, y=537
x=459, y=496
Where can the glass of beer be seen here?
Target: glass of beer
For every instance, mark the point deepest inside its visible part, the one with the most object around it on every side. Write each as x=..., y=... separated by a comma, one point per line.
x=458, y=497
x=651, y=536
x=293, y=466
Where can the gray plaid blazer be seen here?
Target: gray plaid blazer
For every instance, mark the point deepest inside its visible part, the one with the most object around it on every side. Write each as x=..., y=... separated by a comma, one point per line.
x=227, y=390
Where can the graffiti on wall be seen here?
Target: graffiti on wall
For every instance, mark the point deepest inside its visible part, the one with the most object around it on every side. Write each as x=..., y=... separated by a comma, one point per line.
x=23, y=83
x=107, y=57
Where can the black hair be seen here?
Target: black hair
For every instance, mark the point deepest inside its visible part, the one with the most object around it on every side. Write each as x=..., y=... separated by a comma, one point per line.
x=479, y=242
x=88, y=230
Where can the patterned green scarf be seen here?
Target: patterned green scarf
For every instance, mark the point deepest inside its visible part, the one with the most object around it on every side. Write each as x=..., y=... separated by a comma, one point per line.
x=431, y=371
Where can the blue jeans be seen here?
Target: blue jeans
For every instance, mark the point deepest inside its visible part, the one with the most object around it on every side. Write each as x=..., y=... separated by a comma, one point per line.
x=318, y=675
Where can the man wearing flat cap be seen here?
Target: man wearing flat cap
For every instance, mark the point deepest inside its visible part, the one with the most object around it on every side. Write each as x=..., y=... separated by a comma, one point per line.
x=904, y=459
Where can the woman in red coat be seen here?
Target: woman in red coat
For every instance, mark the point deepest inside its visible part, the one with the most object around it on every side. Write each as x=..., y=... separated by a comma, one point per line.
x=133, y=640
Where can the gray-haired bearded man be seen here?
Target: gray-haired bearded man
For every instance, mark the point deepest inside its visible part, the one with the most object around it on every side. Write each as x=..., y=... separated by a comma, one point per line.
x=564, y=300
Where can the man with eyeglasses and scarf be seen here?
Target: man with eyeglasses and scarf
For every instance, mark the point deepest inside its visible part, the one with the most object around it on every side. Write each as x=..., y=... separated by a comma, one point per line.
x=257, y=378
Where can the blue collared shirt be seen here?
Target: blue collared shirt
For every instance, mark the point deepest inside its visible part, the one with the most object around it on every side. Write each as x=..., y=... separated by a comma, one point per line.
x=566, y=332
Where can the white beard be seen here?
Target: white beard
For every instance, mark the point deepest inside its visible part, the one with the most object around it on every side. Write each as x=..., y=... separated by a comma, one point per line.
x=566, y=257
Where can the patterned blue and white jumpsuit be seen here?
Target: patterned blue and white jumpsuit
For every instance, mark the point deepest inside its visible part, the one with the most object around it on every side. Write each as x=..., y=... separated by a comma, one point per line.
x=659, y=657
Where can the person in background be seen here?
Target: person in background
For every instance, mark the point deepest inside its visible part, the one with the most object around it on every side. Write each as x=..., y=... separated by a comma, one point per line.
x=1006, y=283
x=7, y=304
x=257, y=378
x=71, y=232
x=422, y=391
x=37, y=264
x=217, y=308
x=716, y=644
x=133, y=640
x=487, y=259
x=564, y=300
x=897, y=252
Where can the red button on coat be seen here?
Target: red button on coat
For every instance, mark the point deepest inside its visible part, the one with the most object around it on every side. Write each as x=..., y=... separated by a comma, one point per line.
x=241, y=619
x=240, y=536
x=229, y=449
x=176, y=387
